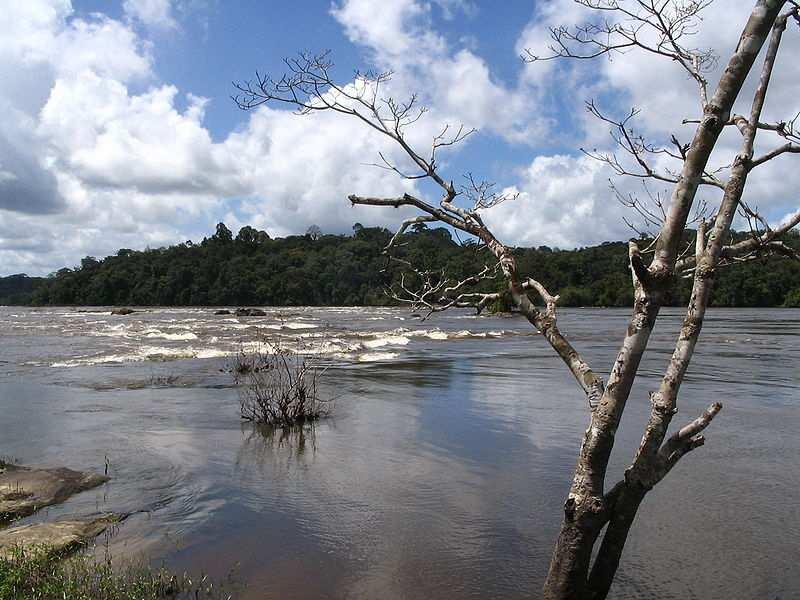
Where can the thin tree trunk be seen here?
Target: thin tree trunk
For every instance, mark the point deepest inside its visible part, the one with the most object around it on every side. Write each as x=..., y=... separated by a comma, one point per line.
x=571, y=559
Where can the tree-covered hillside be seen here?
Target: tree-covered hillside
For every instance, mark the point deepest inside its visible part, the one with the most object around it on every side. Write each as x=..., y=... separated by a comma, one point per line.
x=317, y=269
x=18, y=289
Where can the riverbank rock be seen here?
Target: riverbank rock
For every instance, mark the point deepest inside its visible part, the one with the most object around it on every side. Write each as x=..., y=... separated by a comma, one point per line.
x=122, y=311
x=250, y=312
x=23, y=490
x=56, y=537
x=222, y=312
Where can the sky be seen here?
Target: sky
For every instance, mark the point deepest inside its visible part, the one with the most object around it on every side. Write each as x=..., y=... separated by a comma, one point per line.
x=119, y=130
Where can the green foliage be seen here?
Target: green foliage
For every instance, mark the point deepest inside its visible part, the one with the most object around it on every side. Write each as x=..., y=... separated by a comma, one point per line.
x=18, y=289
x=793, y=298
x=39, y=575
x=338, y=270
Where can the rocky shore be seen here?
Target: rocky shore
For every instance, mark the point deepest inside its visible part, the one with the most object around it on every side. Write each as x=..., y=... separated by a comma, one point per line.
x=25, y=490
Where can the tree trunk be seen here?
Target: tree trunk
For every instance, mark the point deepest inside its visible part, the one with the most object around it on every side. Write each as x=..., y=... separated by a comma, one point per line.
x=588, y=508
x=571, y=558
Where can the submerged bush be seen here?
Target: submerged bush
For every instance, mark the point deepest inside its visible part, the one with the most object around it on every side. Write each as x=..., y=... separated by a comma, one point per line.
x=40, y=575
x=279, y=387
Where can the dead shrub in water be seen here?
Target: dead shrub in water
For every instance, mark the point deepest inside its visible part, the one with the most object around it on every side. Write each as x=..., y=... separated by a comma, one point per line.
x=279, y=388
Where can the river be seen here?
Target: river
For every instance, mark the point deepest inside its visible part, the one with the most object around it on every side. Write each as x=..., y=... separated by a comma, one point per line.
x=442, y=470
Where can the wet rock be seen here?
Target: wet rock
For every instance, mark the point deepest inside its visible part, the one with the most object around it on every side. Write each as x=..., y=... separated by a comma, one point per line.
x=122, y=311
x=23, y=490
x=222, y=312
x=250, y=312
x=56, y=537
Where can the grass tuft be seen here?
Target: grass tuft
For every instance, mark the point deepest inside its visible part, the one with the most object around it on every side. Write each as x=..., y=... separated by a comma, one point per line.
x=36, y=574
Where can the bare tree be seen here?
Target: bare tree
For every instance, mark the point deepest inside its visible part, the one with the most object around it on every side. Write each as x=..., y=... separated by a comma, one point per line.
x=597, y=516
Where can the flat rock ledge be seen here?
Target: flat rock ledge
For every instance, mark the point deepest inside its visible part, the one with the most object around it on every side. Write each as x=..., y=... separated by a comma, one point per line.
x=55, y=538
x=25, y=490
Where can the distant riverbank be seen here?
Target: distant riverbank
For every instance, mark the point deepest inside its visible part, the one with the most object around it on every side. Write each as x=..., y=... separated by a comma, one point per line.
x=251, y=269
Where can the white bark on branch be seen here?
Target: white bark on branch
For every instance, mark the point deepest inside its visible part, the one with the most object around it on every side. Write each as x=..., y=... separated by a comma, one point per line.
x=789, y=147
x=405, y=225
x=687, y=438
x=765, y=242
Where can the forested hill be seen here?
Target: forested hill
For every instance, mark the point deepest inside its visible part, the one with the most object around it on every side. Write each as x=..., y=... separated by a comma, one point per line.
x=317, y=269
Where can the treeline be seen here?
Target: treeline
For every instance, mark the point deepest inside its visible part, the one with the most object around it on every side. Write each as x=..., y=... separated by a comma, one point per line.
x=18, y=289
x=330, y=270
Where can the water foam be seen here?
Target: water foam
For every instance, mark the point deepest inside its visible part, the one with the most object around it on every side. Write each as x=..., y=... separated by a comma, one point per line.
x=292, y=325
x=377, y=356
x=171, y=336
x=386, y=340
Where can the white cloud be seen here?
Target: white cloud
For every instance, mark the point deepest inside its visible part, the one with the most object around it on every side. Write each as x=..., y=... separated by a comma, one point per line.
x=96, y=146
x=98, y=223
x=26, y=185
x=563, y=201
x=455, y=83
x=302, y=169
x=109, y=138
x=152, y=13
x=38, y=47
x=104, y=46
x=395, y=33
x=67, y=98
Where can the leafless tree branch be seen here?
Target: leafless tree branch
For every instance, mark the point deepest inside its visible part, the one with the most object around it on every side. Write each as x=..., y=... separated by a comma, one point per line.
x=636, y=147
x=656, y=27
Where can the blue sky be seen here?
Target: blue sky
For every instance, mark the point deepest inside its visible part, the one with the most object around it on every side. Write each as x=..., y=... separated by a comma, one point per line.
x=121, y=131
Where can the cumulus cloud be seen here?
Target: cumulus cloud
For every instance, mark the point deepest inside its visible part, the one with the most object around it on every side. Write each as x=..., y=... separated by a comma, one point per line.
x=456, y=84
x=392, y=32
x=86, y=146
x=297, y=184
x=39, y=50
x=25, y=185
x=563, y=201
x=109, y=138
x=67, y=142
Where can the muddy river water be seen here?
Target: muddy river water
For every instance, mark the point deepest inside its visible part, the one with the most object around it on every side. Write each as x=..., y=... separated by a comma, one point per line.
x=443, y=468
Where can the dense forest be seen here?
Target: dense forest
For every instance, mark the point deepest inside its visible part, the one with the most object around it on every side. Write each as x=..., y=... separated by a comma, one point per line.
x=327, y=270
